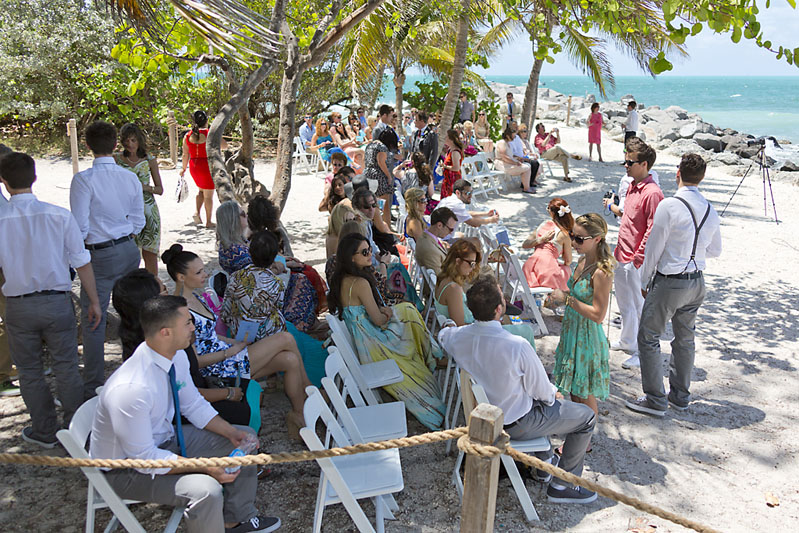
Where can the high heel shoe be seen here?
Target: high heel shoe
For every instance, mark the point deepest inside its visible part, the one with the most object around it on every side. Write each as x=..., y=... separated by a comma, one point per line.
x=294, y=422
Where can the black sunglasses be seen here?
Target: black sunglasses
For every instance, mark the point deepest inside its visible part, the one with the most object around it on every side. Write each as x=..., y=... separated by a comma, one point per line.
x=629, y=163
x=579, y=239
x=366, y=252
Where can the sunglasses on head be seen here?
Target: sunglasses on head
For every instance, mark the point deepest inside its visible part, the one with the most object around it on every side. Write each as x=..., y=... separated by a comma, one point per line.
x=580, y=239
x=366, y=252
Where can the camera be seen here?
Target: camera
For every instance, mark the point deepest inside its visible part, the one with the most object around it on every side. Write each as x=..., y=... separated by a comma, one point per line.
x=611, y=194
x=761, y=141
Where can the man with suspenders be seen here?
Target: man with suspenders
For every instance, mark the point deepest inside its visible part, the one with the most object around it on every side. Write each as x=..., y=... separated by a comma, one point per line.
x=685, y=232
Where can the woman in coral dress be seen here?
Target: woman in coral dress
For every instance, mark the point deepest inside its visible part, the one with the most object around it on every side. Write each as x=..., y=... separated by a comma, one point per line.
x=595, y=131
x=551, y=242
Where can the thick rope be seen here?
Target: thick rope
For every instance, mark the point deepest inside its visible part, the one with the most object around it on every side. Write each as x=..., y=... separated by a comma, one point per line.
x=258, y=459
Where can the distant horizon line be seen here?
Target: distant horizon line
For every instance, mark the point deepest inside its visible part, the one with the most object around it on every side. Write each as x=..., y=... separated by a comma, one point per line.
x=665, y=75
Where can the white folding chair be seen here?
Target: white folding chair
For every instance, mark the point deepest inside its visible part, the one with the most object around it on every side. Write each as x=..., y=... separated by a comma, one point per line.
x=101, y=495
x=470, y=174
x=474, y=394
x=542, y=161
x=301, y=155
x=363, y=423
x=347, y=479
x=483, y=171
x=516, y=283
x=368, y=376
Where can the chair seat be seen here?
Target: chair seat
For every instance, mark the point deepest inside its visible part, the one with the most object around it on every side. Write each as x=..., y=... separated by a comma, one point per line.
x=368, y=474
x=540, y=444
x=381, y=373
x=381, y=422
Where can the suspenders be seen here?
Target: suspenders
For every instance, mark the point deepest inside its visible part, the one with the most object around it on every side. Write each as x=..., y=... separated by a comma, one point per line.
x=697, y=229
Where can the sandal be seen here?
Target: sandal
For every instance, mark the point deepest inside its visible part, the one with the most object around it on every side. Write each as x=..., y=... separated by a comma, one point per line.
x=529, y=191
x=567, y=179
x=197, y=220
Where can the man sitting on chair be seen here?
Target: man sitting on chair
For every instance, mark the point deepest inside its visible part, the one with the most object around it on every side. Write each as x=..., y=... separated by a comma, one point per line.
x=431, y=249
x=461, y=197
x=515, y=381
x=134, y=420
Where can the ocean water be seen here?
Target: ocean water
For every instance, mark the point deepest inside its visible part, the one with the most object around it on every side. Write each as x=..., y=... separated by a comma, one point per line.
x=756, y=105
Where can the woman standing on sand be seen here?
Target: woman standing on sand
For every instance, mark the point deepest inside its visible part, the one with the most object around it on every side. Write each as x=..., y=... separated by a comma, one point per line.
x=581, y=359
x=595, y=131
x=452, y=162
x=196, y=159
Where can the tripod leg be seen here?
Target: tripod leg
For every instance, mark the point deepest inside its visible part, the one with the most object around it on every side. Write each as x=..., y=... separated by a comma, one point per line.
x=736, y=189
x=770, y=190
x=763, y=172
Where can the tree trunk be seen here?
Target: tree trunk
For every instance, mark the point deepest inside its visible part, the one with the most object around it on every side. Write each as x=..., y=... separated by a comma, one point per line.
x=531, y=95
x=399, y=83
x=458, y=66
x=376, y=90
x=225, y=186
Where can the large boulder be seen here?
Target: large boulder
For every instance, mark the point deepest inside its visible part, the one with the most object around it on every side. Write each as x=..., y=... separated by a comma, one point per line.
x=725, y=158
x=706, y=127
x=742, y=149
x=591, y=99
x=626, y=98
x=730, y=139
x=688, y=130
x=708, y=141
x=681, y=147
x=677, y=111
x=788, y=166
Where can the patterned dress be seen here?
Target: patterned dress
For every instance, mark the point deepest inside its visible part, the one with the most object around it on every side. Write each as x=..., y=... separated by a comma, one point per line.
x=373, y=170
x=207, y=342
x=450, y=176
x=581, y=359
x=149, y=239
x=256, y=294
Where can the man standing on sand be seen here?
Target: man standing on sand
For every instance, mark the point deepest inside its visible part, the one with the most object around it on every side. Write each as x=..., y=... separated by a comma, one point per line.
x=467, y=109
x=425, y=138
x=510, y=109
x=643, y=197
x=630, y=125
x=685, y=232
x=106, y=201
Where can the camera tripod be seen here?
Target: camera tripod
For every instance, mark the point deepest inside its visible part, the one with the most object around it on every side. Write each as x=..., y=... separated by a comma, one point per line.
x=760, y=159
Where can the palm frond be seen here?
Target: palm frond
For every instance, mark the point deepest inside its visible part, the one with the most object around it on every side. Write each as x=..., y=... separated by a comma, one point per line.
x=588, y=54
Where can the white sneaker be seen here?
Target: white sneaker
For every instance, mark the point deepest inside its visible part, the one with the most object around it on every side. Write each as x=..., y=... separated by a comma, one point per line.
x=632, y=362
x=619, y=347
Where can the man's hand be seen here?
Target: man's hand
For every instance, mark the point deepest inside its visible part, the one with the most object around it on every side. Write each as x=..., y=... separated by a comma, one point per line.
x=559, y=396
x=644, y=292
x=236, y=436
x=219, y=474
x=95, y=315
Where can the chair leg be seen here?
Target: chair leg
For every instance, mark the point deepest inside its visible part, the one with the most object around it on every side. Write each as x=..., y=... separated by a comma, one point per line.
x=90, y=510
x=519, y=488
x=320, y=504
x=456, y=475
x=379, y=517
x=174, y=520
x=454, y=419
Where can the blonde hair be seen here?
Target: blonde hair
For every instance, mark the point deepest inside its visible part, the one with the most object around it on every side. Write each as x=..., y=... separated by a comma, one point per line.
x=371, y=120
x=468, y=125
x=594, y=224
x=337, y=217
x=449, y=267
x=412, y=197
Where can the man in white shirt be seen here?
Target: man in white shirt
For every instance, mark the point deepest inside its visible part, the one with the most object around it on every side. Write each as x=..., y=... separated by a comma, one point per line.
x=630, y=125
x=685, y=231
x=514, y=379
x=106, y=201
x=459, y=199
x=7, y=388
x=39, y=243
x=307, y=131
x=134, y=420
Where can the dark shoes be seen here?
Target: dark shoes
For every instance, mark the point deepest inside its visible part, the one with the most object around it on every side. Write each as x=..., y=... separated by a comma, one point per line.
x=546, y=477
x=28, y=436
x=570, y=495
x=256, y=524
x=642, y=405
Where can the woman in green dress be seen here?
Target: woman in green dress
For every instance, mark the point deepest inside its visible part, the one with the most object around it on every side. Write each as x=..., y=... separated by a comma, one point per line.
x=134, y=157
x=581, y=359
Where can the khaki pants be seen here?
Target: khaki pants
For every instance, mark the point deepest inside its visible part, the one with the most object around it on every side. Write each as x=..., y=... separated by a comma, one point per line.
x=557, y=153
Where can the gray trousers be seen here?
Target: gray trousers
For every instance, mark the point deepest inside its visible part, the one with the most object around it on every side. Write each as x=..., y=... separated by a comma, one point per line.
x=677, y=300
x=109, y=264
x=574, y=420
x=5, y=355
x=208, y=506
x=49, y=318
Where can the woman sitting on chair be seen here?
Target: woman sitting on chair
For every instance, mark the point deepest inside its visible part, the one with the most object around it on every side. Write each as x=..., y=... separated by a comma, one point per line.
x=552, y=243
x=381, y=332
x=415, y=204
x=460, y=266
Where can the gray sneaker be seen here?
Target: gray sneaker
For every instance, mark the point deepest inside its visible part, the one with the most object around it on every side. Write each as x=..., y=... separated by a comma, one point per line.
x=9, y=389
x=570, y=495
x=28, y=436
x=546, y=477
x=677, y=407
x=642, y=405
x=632, y=362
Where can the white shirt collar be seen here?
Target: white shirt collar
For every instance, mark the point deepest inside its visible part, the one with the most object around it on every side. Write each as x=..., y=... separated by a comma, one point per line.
x=106, y=160
x=159, y=360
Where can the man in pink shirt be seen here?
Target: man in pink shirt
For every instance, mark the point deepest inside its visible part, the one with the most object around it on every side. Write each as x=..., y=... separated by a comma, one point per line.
x=642, y=200
x=548, y=146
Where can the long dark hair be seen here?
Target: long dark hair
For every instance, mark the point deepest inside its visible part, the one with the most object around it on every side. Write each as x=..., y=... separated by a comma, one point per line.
x=345, y=266
x=177, y=260
x=200, y=121
x=331, y=199
x=455, y=137
x=422, y=169
x=132, y=130
x=130, y=292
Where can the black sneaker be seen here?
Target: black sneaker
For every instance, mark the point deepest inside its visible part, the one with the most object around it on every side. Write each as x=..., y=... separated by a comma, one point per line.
x=570, y=495
x=546, y=477
x=256, y=524
x=27, y=436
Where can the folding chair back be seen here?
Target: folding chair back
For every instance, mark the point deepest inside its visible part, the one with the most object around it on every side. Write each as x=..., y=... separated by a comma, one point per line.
x=348, y=479
x=490, y=177
x=101, y=495
x=516, y=282
x=300, y=155
x=469, y=173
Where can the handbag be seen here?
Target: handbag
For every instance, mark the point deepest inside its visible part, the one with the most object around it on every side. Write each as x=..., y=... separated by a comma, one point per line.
x=182, y=190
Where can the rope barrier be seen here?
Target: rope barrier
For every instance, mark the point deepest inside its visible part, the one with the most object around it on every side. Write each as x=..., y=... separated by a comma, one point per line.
x=465, y=444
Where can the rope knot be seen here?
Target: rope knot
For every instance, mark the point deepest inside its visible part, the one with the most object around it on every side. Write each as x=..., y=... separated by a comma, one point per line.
x=467, y=445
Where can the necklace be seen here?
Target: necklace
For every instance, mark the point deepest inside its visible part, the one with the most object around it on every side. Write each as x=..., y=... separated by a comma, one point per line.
x=586, y=269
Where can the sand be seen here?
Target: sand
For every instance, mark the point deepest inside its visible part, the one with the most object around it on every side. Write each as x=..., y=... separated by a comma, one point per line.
x=714, y=463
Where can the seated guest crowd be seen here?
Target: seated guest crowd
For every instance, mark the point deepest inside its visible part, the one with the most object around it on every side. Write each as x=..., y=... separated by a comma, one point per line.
x=196, y=355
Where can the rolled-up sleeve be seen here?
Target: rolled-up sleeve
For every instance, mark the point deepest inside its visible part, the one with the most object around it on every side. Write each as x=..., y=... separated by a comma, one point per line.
x=192, y=404
x=79, y=200
x=78, y=254
x=129, y=410
x=534, y=377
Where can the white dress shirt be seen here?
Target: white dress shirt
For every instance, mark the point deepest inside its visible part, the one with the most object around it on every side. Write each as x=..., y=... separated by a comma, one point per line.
x=504, y=364
x=38, y=243
x=135, y=411
x=517, y=147
x=106, y=201
x=458, y=207
x=631, y=124
x=668, y=249
x=306, y=134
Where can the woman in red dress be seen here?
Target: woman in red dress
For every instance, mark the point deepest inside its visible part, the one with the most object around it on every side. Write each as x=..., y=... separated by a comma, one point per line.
x=452, y=162
x=196, y=159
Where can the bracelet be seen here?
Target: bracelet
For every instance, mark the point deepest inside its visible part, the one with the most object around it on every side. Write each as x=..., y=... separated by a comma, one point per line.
x=568, y=301
x=229, y=393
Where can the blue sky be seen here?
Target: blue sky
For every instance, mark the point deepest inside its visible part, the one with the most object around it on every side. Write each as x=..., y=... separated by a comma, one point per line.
x=710, y=54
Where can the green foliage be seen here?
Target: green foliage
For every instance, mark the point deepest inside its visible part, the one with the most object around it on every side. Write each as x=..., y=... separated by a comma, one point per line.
x=491, y=110
x=429, y=96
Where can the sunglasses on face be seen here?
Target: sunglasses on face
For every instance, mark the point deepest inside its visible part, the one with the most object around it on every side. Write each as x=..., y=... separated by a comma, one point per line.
x=470, y=263
x=629, y=163
x=243, y=214
x=580, y=239
x=366, y=252
x=450, y=229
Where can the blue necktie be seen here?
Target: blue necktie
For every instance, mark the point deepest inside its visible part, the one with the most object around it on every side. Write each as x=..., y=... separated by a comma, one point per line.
x=174, y=385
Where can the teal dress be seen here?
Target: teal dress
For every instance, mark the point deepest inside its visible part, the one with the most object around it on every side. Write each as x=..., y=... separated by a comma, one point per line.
x=581, y=360
x=405, y=339
x=520, y=330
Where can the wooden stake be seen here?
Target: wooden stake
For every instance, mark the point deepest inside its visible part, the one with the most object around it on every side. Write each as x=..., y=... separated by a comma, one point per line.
x=480, y=479
x=173, y=138
x=569, y=110
x=72, y=133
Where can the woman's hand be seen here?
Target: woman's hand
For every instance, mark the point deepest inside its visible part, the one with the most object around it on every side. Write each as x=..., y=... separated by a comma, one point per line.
x=548, y=237
x=236, y=348
x=235, y=394
x=558, y=297
x=182, y=171
x=387, y=312
x=278, y=268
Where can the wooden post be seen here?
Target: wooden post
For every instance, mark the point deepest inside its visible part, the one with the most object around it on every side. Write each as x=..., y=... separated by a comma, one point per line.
x=72, y=133
x=173, y=137
x=480, y=479
x=569, y=111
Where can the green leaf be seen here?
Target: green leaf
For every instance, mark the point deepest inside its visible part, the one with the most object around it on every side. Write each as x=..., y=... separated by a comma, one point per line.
x=152, y=66
x=792, y=3
x=736, y=34
x=132, y=88
x=696, y=28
